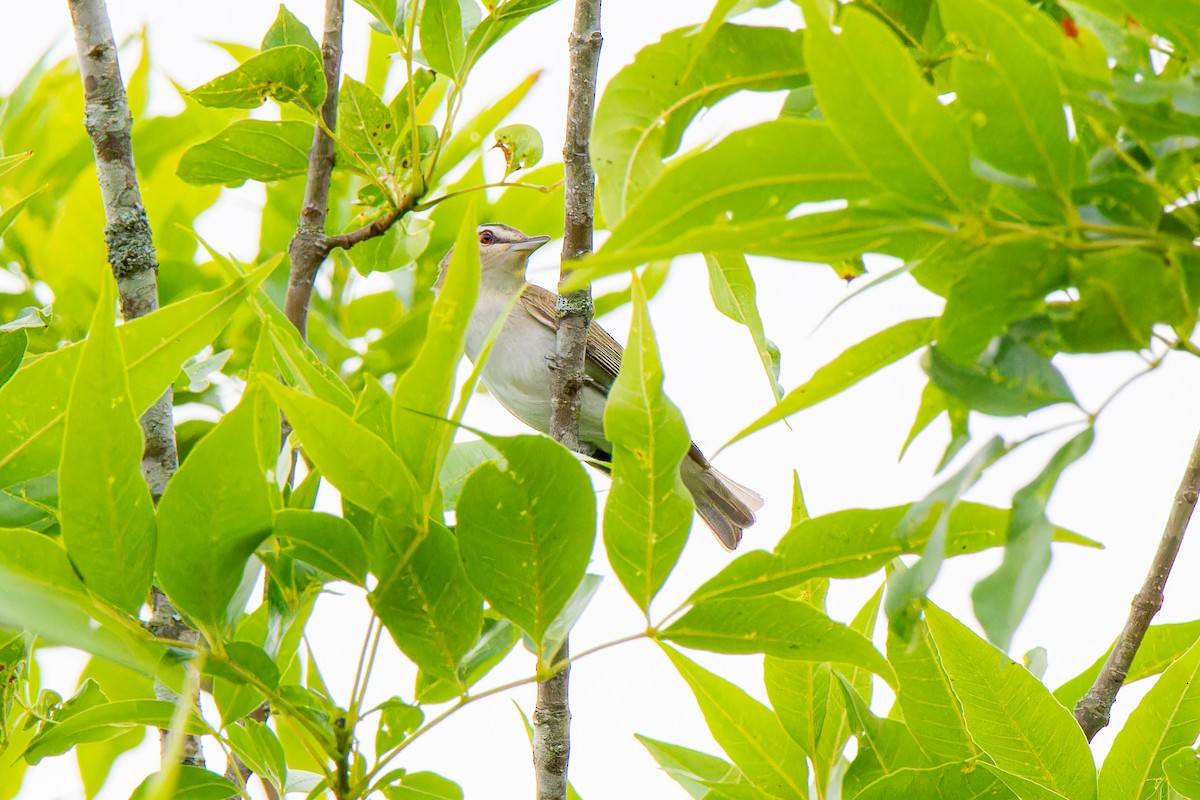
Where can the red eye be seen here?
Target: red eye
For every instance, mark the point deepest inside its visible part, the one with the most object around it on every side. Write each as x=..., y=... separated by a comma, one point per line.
x=486, y=237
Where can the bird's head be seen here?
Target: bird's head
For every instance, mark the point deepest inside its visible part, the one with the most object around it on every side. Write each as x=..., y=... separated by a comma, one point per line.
x=503, y=255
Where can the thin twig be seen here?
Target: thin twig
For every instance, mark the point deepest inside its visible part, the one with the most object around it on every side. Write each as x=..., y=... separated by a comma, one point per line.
x=134, y=264
x=309, y=246
x=1093, y=711
x=551, y=713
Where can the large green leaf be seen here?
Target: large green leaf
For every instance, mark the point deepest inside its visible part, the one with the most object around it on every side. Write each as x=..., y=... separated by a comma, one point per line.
x=1167, y=719
x=356, y=461
x=854, y=543
x=1182, y=771
x=290, y=73
x=1161, y=647
x=1009, y=89
x=288, y=29
x=423, y=596
x=443, y=40
x=886, y=113
x=1002, y=598
x=926, y=695
x=216, y=511
x=884, y=745
x=760, y=173
x=41, y=593
x=424, y=392
x=777, y=626
x=732, y=288
x=649, y=511
x=105, y=721
x=329, y=543
x=747, y=731
x=648, y=104
x=526, y=531
x=1011, y=716
x=155, y=346
x=689, y=767
x=190, y=783
x=366, y=125
x=857, y=362
x=12, y=350
x=936, y=783
x=1011, y=379
x=249, y=149
x=105, y=510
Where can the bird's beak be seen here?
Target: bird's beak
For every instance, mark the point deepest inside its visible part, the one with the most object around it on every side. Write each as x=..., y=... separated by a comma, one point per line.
x=529, y=245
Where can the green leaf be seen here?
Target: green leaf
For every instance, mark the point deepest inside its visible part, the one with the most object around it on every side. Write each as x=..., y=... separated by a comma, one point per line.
x=35, y=399
x=290, y=73
x=220, y=504
x=649, y=511
x=498, y=639
x=504, y=17
x=329, y=543
x=754, y=175
x=1002, y=598
x=382, y=10
x=300, y=366
x=191, y=783
x=747, y=731
x=884, y=745
x=937, y=783
x=423, y=786
x=1123, y=199
x=1010, y=379
x=105, y=509
x=926, y=696
x=1009, y=89
x=887, y=115
x=1011, y=715
x=857, y=362
x=1123, y=293
x=732, y=288
x=526, y=531
x=424, y=392
x=857, y=542
x=40, y=593
x=12, y=350
x=521, y=145
x=1167, y=719
x=999, y=284
x=933, y=404
x=469, y=138
x=356, y=461
x=249, y=150
x=1161, y=647
x=461, y=461
x=689, y=767
x=777, y=626
x=287, y=29
x=1182, y=771
x=423, y=597
x=260, y=750
x=443, y=40
x=104, y=721
x=646, y=106
x=397, y=720
x=908, y=586
x=365, y=124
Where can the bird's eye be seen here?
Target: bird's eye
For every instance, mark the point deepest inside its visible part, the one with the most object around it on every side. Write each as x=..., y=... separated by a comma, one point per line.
x=486, y=237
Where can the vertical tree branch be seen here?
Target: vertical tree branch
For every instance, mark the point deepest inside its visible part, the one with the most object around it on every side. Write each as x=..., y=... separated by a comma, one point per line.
x=134, y=264
x=1093, y=711
x=551, y=714
x=310, y=245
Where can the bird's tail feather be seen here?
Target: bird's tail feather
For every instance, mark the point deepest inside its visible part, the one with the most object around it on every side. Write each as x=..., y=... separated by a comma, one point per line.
x=724, y=504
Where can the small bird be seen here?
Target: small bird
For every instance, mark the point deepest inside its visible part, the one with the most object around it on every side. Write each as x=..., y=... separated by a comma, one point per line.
x=517, y=372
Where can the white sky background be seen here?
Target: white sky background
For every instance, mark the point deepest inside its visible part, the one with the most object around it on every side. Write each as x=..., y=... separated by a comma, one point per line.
x=845, y=450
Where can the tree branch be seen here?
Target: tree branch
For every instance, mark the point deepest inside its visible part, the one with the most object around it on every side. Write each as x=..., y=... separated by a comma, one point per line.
x=552, y=715
x=310, y=245
x=1094, y=710
x=134, y=264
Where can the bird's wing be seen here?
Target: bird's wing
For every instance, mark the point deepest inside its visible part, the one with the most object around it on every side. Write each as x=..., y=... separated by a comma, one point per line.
x=603, y=351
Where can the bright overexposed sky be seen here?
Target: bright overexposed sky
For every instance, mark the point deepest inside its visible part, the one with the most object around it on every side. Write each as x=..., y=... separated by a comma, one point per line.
x=845, y=450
